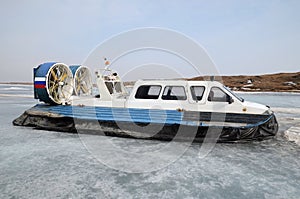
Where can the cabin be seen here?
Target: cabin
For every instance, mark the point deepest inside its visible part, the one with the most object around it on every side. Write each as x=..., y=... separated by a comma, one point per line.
x=181, y=95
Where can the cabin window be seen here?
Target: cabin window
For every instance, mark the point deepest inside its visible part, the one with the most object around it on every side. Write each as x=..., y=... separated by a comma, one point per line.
x=114, y=85
x=109, y=86
x=174, y=93
x=197, y=92
x=148, y=92
x=218, y=95
x=118, y=87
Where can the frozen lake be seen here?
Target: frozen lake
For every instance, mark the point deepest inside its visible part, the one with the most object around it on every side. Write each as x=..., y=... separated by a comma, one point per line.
x=44, y=164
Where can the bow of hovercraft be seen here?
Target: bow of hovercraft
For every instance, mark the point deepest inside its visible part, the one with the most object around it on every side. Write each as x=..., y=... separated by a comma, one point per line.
x=261, y=124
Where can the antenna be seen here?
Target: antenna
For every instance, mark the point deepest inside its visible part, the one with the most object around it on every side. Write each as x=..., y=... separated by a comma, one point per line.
x=106, y=63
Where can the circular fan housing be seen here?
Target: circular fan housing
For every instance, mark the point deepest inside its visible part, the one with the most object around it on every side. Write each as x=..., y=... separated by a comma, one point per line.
x=82, y=77
x=53, y=83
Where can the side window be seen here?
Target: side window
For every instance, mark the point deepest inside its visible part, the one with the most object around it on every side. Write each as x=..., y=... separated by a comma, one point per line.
x=174, y=93
x=148, y=92
x=217, y=95
x=109, y=86
x=197, y=92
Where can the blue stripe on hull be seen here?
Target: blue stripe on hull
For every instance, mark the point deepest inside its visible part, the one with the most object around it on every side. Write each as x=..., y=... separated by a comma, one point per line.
x=167, y=117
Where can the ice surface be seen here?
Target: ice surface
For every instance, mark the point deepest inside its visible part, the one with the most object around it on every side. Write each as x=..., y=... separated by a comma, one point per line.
x=43, y=164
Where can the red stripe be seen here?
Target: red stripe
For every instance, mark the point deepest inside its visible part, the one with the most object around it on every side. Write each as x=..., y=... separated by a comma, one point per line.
x=39, y=86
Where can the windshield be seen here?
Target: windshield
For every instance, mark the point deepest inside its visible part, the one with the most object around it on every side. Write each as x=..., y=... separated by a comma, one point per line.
x=235, y=95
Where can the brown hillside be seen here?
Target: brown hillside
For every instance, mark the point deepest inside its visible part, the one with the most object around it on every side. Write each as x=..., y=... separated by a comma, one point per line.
x=280, y=82
x=271, y=82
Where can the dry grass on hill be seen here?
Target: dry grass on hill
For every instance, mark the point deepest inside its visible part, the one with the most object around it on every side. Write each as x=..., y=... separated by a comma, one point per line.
x=270, y=82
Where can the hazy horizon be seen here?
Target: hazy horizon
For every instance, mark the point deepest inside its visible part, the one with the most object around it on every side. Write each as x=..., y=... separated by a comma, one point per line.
x=128, y=80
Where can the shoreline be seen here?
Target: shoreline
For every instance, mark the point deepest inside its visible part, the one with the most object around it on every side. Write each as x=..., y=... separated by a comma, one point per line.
x=266, y=83
x=17, y=83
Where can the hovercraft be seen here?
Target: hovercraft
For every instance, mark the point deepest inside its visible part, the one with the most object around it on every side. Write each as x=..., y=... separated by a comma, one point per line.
x=153, y=109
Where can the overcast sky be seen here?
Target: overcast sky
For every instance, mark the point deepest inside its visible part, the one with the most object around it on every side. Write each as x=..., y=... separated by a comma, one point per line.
x=242, y=37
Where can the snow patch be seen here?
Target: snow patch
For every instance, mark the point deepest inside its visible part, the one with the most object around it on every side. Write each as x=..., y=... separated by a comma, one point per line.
x=293, y=134
x=15, y=95
x=290, y=83
x=15, y=88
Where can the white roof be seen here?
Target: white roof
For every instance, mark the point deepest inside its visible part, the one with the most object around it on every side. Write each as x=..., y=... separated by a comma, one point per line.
x=175, y=82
